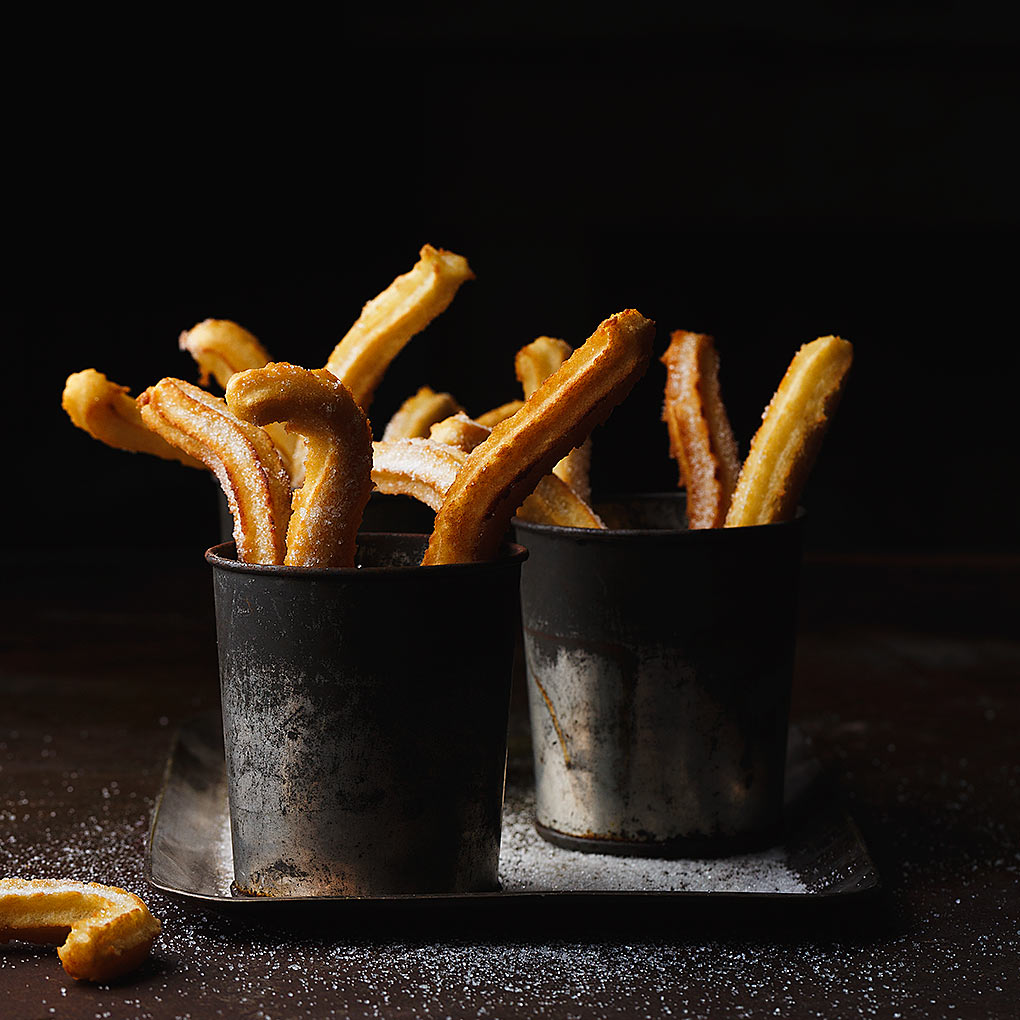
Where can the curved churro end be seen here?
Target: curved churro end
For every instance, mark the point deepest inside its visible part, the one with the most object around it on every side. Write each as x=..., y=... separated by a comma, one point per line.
x=106, y=412
x=421, y=468
x=222, y=348
x=314, y=404
x=419, y=413
x=787, y=441
x=501, y=413
x=390, y=319
x=460, y=431
x=505, y=469
x=103, y=932
x=534, y=363
x=700, y=438
x=244, y=459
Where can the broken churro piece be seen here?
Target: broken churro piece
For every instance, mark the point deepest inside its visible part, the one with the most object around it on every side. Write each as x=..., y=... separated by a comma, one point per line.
x=389, y=320
x=419, y=413
x=328, y=507
x=505, y=469
x=534, y=363
x=700, y=438
x=103, y=932
x=106, y=412
x=787, y=441
x=244, y=459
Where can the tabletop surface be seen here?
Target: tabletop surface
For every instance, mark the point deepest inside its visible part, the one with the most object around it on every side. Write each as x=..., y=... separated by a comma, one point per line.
x=906, y=688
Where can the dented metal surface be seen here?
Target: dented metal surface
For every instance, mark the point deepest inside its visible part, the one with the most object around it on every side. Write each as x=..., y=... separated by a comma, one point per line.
x=365, y=720
x=659, y=666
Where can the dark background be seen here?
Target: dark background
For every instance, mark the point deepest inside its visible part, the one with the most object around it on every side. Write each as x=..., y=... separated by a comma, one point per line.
x=765, y=178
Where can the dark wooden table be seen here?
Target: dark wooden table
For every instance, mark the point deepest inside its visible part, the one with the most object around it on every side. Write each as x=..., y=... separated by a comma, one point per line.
x=907, y=686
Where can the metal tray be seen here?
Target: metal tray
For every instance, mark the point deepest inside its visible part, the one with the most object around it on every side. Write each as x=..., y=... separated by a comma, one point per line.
x=820, y=858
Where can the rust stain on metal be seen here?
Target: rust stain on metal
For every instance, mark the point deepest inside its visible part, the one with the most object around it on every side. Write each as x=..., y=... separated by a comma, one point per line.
x=555, y=721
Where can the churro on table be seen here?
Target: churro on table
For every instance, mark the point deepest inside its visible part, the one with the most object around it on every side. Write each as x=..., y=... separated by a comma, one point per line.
x=327, y=508
x=784, y=448
x=505, y=469
x=243, y=458
x=700, y=438
x=389, y=320
x=103, y=932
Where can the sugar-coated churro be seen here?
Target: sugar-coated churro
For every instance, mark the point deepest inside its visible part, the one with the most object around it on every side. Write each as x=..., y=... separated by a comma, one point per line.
x=103, y=932
x=106, y=412
x=700, y=438
x=244, y=459
x=390, y=319
x=534, y=363
x=497, y=414
x=328, y=507
x=421, y=468
x=222, y=348
x=419, y=413
x=505, y=469
x=784, y=448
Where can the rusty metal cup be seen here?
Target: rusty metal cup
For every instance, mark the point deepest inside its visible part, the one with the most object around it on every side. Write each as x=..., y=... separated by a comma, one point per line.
x=365, y=720
x=659, y=666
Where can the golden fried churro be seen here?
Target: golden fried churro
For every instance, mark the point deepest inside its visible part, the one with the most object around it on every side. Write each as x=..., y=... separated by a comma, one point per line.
x=419, y=413
x=552, y=502
x=787, y=441
x=534, y=363
x=244, y=459
x=501, y=413
x=504, y=470
x=389, y=320
x=328, y=507
x=421, y=468
x=222, y=348
x=103, y=932
x=700, y=438
x=106, y=412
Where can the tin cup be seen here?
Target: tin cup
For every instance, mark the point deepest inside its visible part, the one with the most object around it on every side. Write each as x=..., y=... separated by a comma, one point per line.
x=365, y=720
x=659, y=665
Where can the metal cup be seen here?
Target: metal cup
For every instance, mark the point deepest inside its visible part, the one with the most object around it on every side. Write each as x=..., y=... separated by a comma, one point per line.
x=659, y=664
x=365, y=720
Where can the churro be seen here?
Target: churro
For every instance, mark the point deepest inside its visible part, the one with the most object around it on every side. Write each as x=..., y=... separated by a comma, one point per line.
x=328, y=507
x=103, y=932
x=505, y=469
x=497, y=414
x=420, y=468
x=700, y=438
x=419, y=413
x=106, y=412
x=389, y=320
x=784, y=448
x=222, y=348
x=552, y=502
x=534, y=363
x=244, y=459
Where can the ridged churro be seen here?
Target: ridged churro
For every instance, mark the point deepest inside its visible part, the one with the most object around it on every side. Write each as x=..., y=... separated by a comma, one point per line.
x=222, y=349
x=700, y=438
x=106, y=412
x=534, y=363
x=505, y=469
x=244, y=459
x=497, y=414
x=419, y=413
x=328, y=507
x=552, y=502
x=784, y=448
x=389, y=320
x=103, y=932
x=420, y=468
